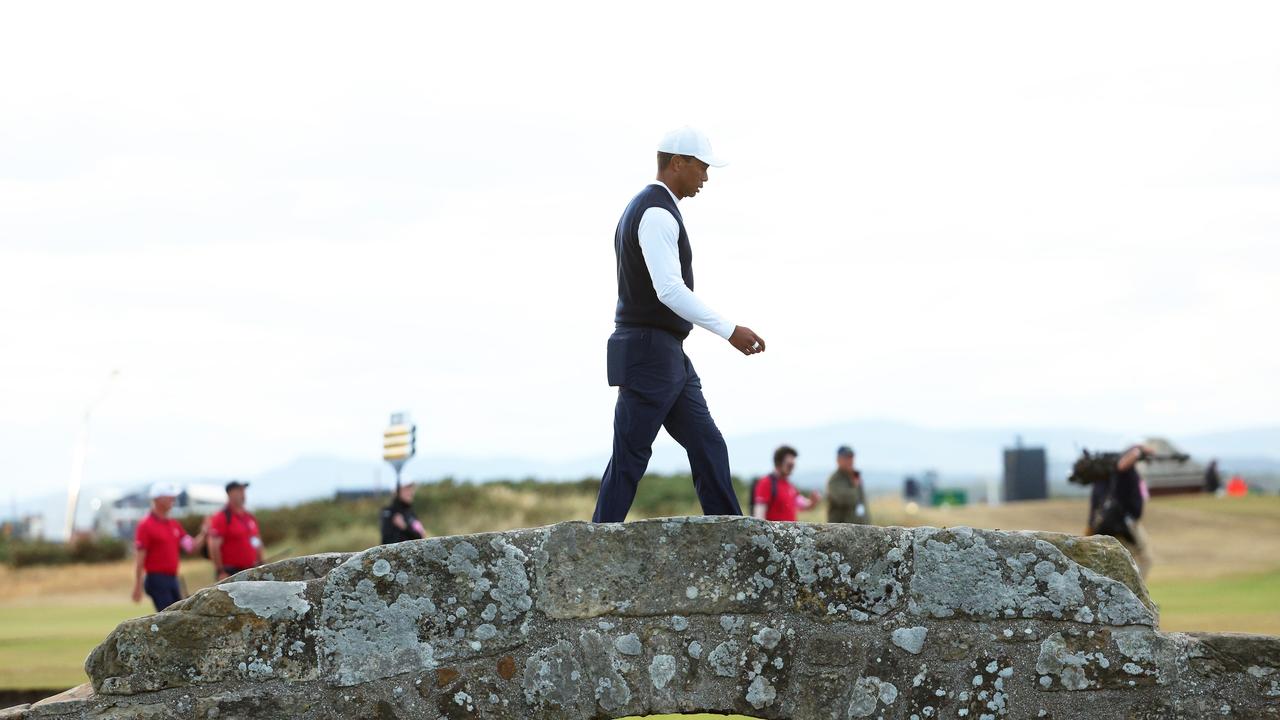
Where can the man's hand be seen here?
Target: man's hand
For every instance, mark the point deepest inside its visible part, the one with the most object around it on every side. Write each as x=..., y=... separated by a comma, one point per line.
x=137, y=593
x=747, y=342
x=222, y=574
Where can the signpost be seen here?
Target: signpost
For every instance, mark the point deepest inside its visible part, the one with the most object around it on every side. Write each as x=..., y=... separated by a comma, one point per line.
x=399, y=442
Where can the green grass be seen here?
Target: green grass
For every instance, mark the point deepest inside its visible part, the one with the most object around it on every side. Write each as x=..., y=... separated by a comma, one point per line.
x=1261, y=506
x=45, y=646
x=1243, y=603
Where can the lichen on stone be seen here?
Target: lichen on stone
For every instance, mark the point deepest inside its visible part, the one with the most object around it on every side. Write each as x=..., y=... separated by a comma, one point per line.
x=661, y=669
x=724, y=659
x=910, y=639
x=761, y=692
x=269, y=600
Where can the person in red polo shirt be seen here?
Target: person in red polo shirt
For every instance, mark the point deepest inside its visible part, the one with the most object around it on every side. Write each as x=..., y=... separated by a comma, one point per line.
x=774, y=497
x=234, y=543
x=158, y=541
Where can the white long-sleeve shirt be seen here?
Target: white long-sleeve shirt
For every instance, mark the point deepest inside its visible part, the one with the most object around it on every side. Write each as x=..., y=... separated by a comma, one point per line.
x=659, y=243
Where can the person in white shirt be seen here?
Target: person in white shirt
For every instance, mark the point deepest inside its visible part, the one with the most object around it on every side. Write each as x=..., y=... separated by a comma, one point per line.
x=656, y=310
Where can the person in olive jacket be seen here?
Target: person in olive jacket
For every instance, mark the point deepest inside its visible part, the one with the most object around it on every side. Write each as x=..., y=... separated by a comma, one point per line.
x=399, y=523
x=846, y=498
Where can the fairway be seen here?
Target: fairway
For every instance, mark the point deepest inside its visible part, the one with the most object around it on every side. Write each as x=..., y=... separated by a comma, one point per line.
x=44, y=647
x=1217, y=569
x=1246, y=603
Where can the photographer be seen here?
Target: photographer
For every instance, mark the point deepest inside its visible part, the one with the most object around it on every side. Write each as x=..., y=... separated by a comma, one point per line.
x=1115, y=506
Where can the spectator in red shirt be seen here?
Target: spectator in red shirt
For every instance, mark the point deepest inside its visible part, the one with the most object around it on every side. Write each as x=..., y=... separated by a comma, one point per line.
x=158, y=540
x=234, y=543
x=774, y=497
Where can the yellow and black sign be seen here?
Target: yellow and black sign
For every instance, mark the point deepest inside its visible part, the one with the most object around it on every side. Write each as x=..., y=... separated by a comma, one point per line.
x=399, y=441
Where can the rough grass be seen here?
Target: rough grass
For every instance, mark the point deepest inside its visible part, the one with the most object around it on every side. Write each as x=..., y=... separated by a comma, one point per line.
x=1217, y=561
x=1193, y=537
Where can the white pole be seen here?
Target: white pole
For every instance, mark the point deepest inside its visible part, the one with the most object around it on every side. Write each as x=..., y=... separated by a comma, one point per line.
x=78, y=455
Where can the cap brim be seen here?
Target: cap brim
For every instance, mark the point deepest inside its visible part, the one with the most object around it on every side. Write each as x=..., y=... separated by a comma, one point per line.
x=712, y=160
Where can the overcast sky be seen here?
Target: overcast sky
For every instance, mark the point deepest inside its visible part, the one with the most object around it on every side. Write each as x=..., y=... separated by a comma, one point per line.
x=282, y=221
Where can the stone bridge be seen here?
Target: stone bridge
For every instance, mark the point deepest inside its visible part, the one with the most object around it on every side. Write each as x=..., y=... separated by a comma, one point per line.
x=771, y=620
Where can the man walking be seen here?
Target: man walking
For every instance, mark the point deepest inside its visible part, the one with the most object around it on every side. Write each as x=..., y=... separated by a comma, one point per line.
x=157, y=543
x=846, y=498
x=234, y=542
x=657, y=385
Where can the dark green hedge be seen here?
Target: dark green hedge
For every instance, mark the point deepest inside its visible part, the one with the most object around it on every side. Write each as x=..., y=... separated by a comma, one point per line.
x=83, y=550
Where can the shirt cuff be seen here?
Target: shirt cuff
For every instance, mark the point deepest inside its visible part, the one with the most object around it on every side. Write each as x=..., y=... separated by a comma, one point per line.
x=723, y=328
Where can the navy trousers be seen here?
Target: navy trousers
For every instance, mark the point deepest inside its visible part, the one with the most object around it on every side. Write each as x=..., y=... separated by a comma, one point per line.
x=657, y=387
x=163, y=589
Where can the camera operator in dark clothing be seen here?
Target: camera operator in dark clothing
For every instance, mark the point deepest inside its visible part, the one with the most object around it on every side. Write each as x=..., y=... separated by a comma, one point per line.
x=1129, y=493
x=1212, y=480
x=399, y=523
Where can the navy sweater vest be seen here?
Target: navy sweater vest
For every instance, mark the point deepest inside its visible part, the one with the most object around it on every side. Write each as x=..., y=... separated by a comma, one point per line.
x=638, y=302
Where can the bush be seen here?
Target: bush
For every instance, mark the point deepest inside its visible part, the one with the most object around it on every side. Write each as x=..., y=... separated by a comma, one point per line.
x=98, y=550
x=83, y=550
x=312, y=519
x=449, y=506
x=28, y=554
x=191, y=524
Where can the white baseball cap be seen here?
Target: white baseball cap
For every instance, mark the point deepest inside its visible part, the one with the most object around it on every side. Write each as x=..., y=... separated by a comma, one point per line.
x=687, y=141
x=163, y=489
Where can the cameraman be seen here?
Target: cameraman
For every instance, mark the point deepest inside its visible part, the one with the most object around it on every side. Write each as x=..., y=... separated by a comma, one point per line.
x=1130, y=493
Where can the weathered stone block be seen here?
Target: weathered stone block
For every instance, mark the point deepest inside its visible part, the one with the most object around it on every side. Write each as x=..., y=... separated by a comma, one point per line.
x=991, y=574
x=408, y=607
x=727, y=615
x=231, y=631
x=307, y=567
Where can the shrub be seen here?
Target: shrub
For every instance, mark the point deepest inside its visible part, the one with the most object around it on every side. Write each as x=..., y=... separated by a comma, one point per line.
x=28, y=554
x=191, y=523
x=449, y=506
x=83, y=550
x=97, y=550
x=272, y=532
